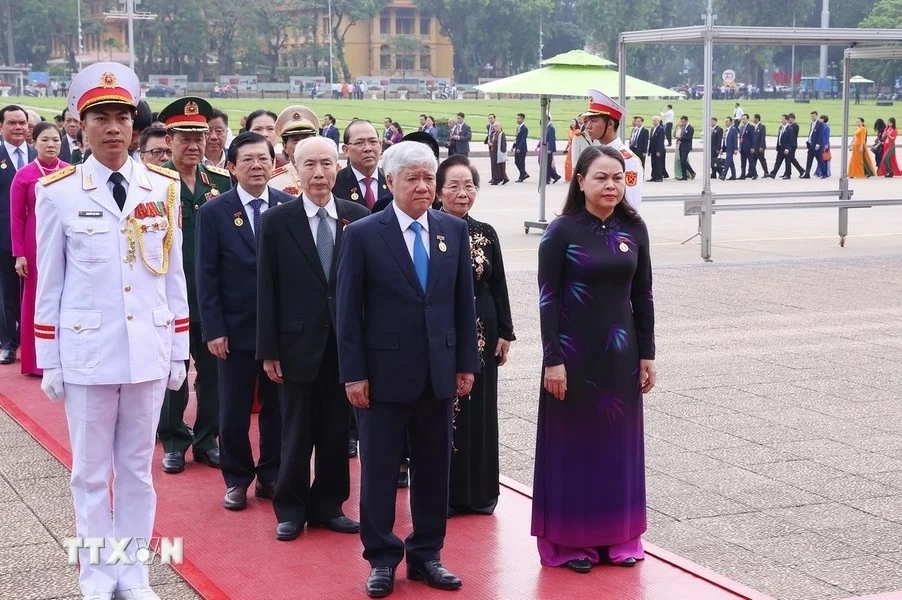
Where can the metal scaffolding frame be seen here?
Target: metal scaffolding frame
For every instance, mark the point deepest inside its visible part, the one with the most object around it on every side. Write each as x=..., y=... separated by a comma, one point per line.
x=860, y=44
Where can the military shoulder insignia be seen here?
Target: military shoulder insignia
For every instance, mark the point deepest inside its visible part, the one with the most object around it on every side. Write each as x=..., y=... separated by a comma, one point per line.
x=280, y=170
x=626, y=153
x=56, y=176
x=170, y=173
x=631, y=178
x=218, y=171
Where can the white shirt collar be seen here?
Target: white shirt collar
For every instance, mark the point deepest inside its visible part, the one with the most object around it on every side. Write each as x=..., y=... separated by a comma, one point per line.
x=404, y=220
x=311, y=209
x=220, y=162
x=360, y=176
x=247, y=198
x=103, y=172
x=11, y=150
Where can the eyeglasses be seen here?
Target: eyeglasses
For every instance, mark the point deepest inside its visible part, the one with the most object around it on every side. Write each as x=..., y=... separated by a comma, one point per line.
x=361, y=143
x=455, y=188
x=158, y=152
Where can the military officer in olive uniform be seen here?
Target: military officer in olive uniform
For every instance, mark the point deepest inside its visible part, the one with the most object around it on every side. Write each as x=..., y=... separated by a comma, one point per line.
x=294, y=124
x=186, y=123
x=111, y=323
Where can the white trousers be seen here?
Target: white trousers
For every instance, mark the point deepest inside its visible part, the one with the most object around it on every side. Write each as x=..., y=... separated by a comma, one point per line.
x=112, y=429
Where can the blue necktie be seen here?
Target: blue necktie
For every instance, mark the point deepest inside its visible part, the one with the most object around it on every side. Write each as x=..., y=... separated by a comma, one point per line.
x=20, y=162
x=420, y=258
x=256, y=203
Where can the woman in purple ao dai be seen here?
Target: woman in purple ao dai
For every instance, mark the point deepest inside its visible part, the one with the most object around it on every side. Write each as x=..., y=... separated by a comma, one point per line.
x=597, y=319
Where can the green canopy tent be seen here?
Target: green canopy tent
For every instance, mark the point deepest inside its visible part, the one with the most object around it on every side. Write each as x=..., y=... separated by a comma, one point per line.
x=570, y=74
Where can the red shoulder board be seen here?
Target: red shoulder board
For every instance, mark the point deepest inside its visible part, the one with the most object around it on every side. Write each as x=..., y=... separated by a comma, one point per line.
x=626, y=153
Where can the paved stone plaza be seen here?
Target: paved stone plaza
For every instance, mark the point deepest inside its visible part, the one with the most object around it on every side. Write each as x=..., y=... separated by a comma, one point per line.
x=774, y=436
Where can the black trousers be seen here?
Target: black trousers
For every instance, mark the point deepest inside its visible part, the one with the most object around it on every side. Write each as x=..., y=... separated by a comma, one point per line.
x=383, y=427
x=760, y=157
x=684, y=163
x=747, y=162
x=238, y=376
x=520, y=163
x=814, y=156
x=657, y=167
x=668, y=132
x=10, y=295
x=174, y=433
x=792, y=161
x=314, y=415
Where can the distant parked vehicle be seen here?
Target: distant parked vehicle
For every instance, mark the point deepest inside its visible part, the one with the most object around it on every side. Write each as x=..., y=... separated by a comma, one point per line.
x=159, y=90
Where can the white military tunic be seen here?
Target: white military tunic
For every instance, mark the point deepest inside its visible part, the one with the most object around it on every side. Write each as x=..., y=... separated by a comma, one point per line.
x=101, y=314
x=285, y=180
x=634, y=176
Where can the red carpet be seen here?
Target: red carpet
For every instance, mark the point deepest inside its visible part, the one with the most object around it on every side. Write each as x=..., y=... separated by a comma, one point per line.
x=235, y=555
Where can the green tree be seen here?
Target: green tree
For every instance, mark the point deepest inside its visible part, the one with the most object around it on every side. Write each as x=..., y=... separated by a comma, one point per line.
x=279, y=23
x=886, y=14
x=345, y=14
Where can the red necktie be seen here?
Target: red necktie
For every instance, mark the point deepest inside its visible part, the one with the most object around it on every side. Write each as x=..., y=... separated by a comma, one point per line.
x=368, y=196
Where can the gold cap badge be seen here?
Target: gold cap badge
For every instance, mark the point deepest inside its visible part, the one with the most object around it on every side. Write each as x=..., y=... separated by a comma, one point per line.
x=191, y=109
x=108, y=80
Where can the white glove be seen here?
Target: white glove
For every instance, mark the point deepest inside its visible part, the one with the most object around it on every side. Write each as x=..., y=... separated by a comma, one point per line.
x=177, y=374
x=52, y=384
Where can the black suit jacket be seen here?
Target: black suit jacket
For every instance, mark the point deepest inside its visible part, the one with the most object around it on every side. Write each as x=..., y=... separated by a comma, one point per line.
x=390, y=331
x=641, y=146
x=346, y=186
x=656, y=142
x=716, y=141
x=226, y=268
x=295, y=302
x=686, y=138
x=760, y=136
x=791, y=136
x=746, y=137
x=7, y=172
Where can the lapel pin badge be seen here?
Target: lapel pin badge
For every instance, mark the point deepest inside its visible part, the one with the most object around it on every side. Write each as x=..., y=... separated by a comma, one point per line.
x=238, y=220
x=624, y=247
x=344, y=224
x=441, y=243
x=355, y=195
x=2, y=164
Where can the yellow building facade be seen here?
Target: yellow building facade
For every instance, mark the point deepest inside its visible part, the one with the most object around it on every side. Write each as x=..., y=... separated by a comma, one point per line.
x=401, y=42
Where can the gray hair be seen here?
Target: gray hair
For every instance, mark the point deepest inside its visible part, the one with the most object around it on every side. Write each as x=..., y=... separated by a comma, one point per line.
x=299, y=149
x=405, y=155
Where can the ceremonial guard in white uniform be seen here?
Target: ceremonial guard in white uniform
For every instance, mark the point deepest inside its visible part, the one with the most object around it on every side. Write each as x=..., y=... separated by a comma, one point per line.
x=111, y=321
x=294, y=124
x=602, y=122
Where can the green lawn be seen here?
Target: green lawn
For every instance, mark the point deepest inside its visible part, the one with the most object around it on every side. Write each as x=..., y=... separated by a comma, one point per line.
x=406, y=112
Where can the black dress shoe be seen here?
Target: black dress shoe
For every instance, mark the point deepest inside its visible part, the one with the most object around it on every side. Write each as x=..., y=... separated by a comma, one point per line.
x=339, y=524
x=579, y=565
x=7, y=357
x=403, y=480
x=628, y=562
x=381, y=582
x=786, y=177
x=235, y=498
x=265, y=489
x=434, y=574
x=805, y=176
x=352, y=448
x=210, y=458
x=288, y=530
x=173, y=462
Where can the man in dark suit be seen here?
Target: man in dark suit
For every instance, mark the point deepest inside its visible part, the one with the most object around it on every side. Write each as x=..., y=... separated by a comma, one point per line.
x=657, y=150
x=68, y=143
x=792, y=145
x=362, y=181
x=406, y=347
x=298, y=255
x=461, y=136
x=330, y=130
x=520, y=149
x=14, y=154
x=782, y=151
x=716, y=147
x=758, y=152
x=746, y=146
x=549, y=149
x=730, y=149
x=815, y=132
x=226, y=277
x=686, y=148
x=639, y=139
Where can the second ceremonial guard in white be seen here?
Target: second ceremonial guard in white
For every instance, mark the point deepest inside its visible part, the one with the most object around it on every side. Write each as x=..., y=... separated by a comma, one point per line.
x=111, y=321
